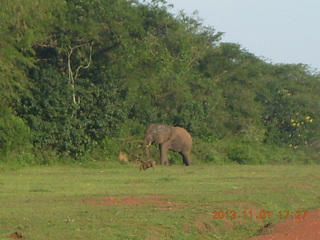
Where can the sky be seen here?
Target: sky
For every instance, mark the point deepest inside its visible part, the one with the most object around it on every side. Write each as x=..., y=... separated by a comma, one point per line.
x=279, y=31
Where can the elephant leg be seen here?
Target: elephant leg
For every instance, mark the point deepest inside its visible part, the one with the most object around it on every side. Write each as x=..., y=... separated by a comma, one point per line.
x=186, y=158
x=164, y=154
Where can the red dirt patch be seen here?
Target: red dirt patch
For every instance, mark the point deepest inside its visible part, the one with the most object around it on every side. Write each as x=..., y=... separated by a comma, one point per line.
x=237, y=191
x=135, y=182
x=17, y=235
x=299, y=186
x=306, y=229
x=132, y=200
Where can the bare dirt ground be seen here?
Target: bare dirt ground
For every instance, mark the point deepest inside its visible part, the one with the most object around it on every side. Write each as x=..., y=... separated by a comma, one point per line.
x=132, y=200
x=303, y=229
x=17, y=235
x=300, y=229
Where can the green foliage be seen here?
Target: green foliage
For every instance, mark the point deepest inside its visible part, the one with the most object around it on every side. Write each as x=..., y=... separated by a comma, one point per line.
x=87, y=77
x=244, y=153
x=289, y=113
x=23, y=25
x=14, y=139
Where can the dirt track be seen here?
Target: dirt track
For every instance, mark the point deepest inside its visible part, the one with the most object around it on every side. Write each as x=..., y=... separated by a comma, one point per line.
x=304, y=229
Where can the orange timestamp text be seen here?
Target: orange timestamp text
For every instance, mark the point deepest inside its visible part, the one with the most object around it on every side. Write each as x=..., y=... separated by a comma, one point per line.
x=263, y=214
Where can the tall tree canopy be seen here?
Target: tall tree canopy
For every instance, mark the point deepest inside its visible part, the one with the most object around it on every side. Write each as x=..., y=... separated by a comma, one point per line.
x=79, y=74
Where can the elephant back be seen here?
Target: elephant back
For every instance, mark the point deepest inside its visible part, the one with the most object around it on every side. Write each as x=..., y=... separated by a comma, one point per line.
x=184, y=136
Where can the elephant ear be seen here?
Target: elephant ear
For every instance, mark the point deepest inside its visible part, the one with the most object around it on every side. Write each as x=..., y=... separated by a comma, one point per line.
x=161, y=133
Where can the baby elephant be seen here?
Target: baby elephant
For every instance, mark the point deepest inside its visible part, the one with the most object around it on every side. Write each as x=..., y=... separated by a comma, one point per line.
x=147, y=164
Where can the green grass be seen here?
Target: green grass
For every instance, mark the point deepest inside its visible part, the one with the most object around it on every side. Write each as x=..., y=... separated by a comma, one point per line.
x=173, y=202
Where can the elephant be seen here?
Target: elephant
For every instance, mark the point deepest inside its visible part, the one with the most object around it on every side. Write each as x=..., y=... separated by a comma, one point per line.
x=169, y=138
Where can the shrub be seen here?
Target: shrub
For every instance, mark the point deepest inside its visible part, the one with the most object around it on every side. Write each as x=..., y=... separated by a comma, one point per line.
x=14, y=139
x=244, y=152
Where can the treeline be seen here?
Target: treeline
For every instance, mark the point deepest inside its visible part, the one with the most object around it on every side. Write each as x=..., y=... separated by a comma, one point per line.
x=82, y=79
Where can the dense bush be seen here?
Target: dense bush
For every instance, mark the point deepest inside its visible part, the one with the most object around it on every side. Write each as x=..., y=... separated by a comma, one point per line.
x=83, y=79
x=15, y=138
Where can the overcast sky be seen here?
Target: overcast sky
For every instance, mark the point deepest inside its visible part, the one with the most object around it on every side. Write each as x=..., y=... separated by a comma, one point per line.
x=280, y=31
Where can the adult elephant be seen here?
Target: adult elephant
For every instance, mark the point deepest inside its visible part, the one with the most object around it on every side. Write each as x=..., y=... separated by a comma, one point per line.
x=169, y=138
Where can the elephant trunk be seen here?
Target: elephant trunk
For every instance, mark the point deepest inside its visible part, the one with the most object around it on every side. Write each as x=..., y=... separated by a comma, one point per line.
x=147, y=149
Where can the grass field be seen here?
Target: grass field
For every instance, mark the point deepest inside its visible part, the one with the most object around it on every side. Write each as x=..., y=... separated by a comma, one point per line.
x=176, y=202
